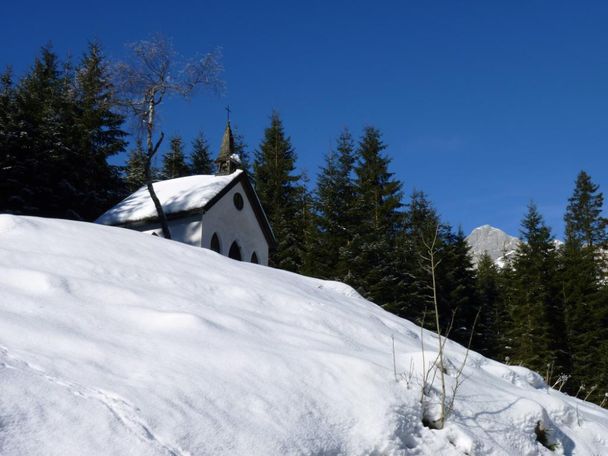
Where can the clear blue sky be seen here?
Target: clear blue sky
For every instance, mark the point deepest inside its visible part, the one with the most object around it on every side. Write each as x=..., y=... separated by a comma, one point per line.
x=484, y=105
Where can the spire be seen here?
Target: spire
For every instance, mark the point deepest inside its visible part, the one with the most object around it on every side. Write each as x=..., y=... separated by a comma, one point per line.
x=227, y=160
x=227, y=147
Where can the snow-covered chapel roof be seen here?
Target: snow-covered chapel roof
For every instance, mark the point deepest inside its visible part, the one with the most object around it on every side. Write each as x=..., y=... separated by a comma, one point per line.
x=176, y=195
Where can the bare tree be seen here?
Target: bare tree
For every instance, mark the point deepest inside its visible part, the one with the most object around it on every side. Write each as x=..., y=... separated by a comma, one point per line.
x=429, y=261
x=432, y=263
x=153, y=73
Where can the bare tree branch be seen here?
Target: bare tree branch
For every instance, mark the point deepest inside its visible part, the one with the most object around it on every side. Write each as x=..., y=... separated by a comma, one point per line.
x=153, y=72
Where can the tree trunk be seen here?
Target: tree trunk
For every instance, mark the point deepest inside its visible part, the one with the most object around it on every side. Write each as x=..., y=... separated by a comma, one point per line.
x=151, y=151
x=159, y=208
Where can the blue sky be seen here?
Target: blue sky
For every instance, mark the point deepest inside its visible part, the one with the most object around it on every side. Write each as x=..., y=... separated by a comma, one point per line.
x=484, y=105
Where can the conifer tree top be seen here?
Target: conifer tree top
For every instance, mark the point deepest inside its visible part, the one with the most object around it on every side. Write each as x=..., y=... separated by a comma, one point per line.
x=584, y=221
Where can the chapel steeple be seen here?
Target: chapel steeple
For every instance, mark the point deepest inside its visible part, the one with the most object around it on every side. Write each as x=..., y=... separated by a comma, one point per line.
x=227, y=161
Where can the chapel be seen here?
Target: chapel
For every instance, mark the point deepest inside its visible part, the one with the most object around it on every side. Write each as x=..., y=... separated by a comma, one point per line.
x=221, y=212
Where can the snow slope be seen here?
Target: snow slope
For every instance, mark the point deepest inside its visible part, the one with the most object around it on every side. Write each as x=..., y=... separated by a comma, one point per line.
x=113, y=342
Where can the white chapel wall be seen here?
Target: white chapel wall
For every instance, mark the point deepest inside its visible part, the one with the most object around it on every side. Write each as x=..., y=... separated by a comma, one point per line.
x=186, y=230
x=232, y=225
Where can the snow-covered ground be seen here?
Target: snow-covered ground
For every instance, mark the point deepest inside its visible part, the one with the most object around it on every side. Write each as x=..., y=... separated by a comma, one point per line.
x=113, y=342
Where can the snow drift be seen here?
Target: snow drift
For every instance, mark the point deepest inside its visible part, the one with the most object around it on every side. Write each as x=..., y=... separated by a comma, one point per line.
x=115, y=342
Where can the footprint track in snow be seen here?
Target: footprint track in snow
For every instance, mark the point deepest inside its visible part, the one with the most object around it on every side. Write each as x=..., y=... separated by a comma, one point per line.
x=122, y=411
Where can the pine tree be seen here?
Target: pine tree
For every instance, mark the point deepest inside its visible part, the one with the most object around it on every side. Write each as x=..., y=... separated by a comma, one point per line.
x=8, y=143
x=508, y=287
x=63, y=129
x=98, y=135
x=310, y=233
x=135, y=172
x=420, y=224
x=335, y=210
x=200, y=159
x=535, y=306
x=240, y=148
x=280, y=192
x=584, y=221
x=174, y=161
x=374, y=268
x=456, y=287
x=41, y=169
x=583, y=271
x=489, y=339
x=600, y=368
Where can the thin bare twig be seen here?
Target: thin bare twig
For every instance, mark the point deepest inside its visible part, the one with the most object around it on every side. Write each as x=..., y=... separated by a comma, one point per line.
x=459, y=380
x=394, y=359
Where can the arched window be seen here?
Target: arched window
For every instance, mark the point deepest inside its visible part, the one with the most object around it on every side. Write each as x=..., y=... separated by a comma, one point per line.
x=235, y=251
x=215, y=243
x=254, y=258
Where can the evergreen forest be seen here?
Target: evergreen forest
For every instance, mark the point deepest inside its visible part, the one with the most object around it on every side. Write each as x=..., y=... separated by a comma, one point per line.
x=61, y=126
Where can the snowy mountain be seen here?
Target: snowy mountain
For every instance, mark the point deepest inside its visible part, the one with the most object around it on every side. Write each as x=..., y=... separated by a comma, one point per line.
x=498, y=244
x=113, y=342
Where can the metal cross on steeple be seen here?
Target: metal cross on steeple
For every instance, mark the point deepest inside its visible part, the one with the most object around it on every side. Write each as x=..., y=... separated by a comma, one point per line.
x=228, y=112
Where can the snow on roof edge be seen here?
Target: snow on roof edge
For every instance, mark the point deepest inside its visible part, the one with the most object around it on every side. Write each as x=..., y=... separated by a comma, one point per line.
x=176, y=195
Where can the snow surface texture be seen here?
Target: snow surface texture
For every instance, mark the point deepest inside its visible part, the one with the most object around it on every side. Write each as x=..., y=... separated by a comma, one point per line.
x=493, y=241
x=113, y=342
x=175, y=195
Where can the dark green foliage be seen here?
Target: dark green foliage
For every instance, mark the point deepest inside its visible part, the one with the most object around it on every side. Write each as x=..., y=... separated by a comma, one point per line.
x=378, y=194
x=201, y=161
x=456, y=289
x=99, y=135
x=419, y=226
x=583, y=283
x=55, y=143
x=335, y=211
x=598, y=375
x=240, y=148
x=455, y=276
x=35, y=180
x=135, y=172
x=584, y=222
x=281, y=194
x=174, y=161
x=535, y=307
x=580, y=288
x=377, y=209
x=310, y=240
x=489, y=339
x=363, y=238
x=505, y=324
x=8, y=141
